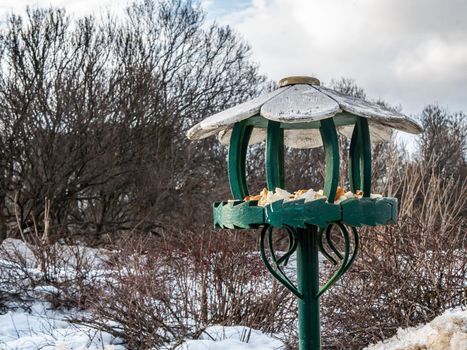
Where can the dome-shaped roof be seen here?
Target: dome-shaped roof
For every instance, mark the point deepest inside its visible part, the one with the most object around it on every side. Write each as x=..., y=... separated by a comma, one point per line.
x=298, y=105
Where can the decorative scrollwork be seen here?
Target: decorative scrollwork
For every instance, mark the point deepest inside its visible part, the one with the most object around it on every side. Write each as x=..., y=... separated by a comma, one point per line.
x=344, y=260
x=276, y=268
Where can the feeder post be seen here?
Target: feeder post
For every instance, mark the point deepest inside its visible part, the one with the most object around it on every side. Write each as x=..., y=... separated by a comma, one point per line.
x=308, y=286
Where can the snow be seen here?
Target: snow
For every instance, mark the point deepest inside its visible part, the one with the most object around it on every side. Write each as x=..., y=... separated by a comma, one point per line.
x=445, y=332
x=47, y=329
x=44, y=328
x=232, y=338
x=37, y=325
x=17, y=248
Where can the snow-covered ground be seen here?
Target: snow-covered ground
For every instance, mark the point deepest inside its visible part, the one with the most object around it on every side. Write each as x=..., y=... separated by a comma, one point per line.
x=47, y=329
x=40, y=327
x=445, y=332
x=37, y=325
x=34, y=324
x=232, y=338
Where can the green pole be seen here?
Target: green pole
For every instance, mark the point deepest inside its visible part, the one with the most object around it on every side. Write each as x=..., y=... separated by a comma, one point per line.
x=308, y=286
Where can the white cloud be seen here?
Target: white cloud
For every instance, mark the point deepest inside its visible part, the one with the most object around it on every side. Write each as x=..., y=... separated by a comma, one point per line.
x=443, y=59
x=407, y=52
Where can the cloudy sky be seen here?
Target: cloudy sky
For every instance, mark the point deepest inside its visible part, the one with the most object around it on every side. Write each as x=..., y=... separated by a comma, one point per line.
x=409, y=53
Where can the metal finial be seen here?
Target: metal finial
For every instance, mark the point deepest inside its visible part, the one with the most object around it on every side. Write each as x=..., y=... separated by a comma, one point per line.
x=298, y=80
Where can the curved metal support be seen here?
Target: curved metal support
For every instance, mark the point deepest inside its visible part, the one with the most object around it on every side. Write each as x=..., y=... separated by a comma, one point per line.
x=340, y=271
x=306, y=242
x=347, y=260
x=274, y=156
x=356, y=243
x=360, y=158
x=237, y=157
x=284, y=259
x=322, y=250
x=331, y=243
x=354, y=162
x=365, y=155
x=276, y=270
x=331, y=150
x=272, y=252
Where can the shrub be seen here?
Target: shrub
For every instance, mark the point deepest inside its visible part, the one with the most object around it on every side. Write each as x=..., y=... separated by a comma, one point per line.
x=405, y=274
x=161, y=291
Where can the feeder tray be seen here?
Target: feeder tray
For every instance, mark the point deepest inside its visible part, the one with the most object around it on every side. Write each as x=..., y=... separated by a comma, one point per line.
x=298, y=213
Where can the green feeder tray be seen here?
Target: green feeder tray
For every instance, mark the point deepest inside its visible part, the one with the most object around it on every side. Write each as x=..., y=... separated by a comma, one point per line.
x=298, y=213
x=303, y=114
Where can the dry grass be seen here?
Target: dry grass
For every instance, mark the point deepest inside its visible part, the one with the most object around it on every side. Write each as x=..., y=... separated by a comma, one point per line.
x=406, y=274
x=161, y=291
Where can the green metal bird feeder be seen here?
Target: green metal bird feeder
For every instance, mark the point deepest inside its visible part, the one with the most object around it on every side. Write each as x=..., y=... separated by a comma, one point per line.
x=303, y=114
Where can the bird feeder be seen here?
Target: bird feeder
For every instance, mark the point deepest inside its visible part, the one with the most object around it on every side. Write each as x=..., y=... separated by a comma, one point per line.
x=303, y=114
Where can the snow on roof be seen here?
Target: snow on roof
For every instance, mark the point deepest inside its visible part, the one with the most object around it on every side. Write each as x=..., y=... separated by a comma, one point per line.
x=302, y=100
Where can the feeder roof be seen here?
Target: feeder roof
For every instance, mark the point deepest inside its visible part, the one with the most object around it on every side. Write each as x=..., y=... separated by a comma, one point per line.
x=299, y=104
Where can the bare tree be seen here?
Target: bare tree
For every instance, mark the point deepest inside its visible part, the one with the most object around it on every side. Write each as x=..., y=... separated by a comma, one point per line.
x=444, y=141
x=94, y=115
